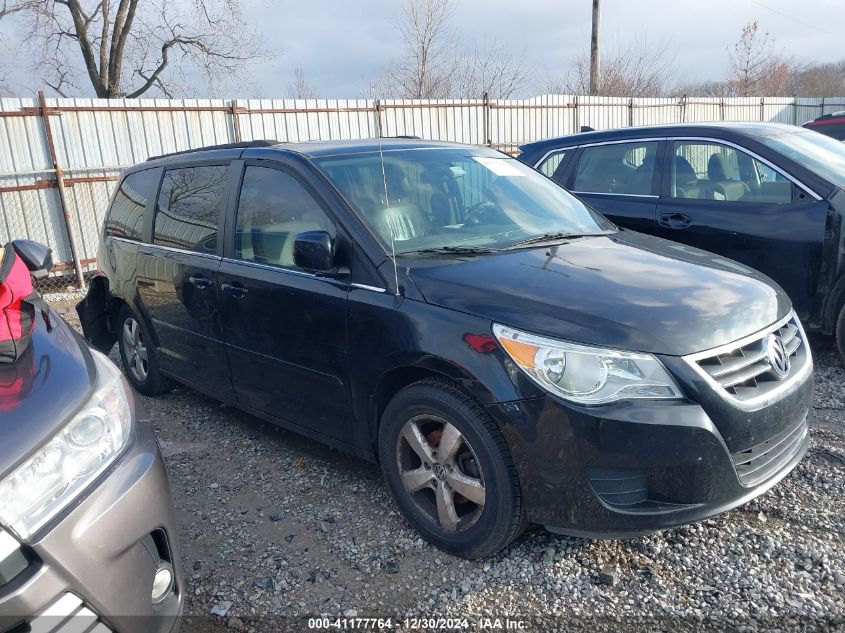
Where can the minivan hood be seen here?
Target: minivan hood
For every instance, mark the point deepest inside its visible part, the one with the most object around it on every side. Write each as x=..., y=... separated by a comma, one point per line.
x=626, y=290
x=42, y=390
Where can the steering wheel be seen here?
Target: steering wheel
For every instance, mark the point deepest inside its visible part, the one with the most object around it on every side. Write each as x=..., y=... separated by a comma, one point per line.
x=481, y=213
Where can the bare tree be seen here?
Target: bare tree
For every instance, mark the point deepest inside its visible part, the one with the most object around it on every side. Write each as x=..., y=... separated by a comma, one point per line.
x=424, y=70
x=491, y=70
x=433, y=66
x=639, y=70
x=817, y=80
x=755, y=69
x=128, y=48
x=299, y=87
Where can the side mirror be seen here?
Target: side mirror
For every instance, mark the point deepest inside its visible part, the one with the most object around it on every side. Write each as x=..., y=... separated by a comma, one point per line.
x=314, y=251
x=37, y=257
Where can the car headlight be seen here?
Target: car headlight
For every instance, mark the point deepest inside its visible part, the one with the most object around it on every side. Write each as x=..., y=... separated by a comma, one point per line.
x=55, y=475
x=585, y=374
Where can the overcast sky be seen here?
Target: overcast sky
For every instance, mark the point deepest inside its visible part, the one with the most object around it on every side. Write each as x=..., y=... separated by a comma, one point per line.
x=342, y=44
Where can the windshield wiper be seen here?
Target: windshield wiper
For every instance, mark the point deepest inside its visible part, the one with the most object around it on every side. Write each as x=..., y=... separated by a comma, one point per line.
x=550, y=237
x=457, y=250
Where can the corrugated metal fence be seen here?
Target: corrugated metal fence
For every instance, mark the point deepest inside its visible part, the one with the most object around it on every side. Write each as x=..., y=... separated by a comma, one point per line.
x=59, y=158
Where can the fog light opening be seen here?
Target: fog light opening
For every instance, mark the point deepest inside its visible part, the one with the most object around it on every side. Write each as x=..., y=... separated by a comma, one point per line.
x=162, y=582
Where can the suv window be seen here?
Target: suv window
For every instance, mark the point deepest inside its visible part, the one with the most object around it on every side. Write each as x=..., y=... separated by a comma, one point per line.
x=273, y=207
x=712, y=171
x=621, y=168
x=189, y=207
x=126, y=215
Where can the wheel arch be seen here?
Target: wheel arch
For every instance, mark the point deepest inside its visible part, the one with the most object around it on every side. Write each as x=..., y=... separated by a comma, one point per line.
x=397, y=378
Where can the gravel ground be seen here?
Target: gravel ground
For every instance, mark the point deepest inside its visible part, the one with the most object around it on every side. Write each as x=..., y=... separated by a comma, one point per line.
x=274, y=525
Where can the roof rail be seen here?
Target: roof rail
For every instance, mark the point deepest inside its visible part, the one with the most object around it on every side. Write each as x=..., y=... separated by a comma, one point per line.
x=242, y=145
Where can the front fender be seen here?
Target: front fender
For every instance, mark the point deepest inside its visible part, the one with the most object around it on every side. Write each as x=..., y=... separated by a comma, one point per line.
x=394, y=344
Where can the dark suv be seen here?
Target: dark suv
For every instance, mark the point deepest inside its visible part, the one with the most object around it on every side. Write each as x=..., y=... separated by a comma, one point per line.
x=503, y=351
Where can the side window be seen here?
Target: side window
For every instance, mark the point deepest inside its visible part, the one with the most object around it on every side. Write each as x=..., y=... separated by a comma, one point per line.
x=189, y=207
x=550, y=165
x=620, y=168
x=272, y=208
x=126, y=215
x=712, y=171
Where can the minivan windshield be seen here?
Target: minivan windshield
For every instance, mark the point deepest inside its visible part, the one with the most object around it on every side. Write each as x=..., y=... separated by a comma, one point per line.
x=427, y=200
x=820, y=154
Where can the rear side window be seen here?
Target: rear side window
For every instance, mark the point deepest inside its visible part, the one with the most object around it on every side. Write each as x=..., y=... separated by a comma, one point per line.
x=620, y=168
x=189, y=208
x=723, y=173
x=551, y=164
x=272, y=209
x=126, y=215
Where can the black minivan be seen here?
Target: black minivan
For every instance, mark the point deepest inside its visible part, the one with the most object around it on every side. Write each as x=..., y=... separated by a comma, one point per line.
x=505, y=353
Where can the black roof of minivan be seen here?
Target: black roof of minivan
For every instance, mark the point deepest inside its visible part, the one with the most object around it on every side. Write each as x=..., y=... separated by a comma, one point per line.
x=305, y=148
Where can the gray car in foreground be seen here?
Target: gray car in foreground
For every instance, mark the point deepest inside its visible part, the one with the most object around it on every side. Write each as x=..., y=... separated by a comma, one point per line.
x=87, y=529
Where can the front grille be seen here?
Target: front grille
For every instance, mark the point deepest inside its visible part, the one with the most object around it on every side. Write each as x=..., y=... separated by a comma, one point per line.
x=749, y=370
x=760, y=462
x=68, y=614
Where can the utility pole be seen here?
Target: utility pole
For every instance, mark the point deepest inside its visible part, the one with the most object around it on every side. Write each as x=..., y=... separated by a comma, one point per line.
x=595, y=61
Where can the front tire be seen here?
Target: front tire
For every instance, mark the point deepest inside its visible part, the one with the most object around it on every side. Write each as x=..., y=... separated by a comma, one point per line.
x=840, y=333
x=450, y=470
x=137, y=352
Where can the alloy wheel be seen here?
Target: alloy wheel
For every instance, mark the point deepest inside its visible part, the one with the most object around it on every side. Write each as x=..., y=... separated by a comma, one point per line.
x=440, y=472
x=135, y=350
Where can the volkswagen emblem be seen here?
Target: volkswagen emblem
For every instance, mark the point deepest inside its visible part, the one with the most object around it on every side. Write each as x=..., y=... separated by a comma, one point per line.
x=777, y=356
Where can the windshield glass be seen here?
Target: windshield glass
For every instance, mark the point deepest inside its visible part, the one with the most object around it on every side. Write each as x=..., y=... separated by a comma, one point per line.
x=818, y=153
x=455, y=197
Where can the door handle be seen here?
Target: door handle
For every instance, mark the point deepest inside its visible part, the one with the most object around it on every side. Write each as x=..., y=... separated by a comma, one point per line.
x=201, y=281
x=235, y=289
x=674, y=220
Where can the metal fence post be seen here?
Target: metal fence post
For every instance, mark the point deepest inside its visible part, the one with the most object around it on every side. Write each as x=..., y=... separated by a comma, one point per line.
x=60, y=184
x=762, y=109
x=631, y=112
x=485, y=121
x=236, y=124
x=577, y=117
x=378, y=118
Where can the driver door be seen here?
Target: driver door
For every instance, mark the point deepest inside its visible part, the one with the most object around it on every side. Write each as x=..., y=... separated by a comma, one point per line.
x=284, y=328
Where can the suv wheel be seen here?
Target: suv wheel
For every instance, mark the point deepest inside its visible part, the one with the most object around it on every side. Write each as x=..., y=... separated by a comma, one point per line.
x=450, y=470
x=139, y=360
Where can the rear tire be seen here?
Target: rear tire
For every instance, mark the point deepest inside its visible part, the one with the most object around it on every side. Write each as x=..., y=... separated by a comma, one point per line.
x=449, y=470
x=840, y=333
x=140, y=363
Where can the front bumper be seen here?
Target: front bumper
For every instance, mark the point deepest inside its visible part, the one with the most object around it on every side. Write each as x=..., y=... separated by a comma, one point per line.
x=637, y=466
x=93, y=569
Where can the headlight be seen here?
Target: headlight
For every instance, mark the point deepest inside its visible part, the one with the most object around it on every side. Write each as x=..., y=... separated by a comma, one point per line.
x=43, y=485
x=587, y=375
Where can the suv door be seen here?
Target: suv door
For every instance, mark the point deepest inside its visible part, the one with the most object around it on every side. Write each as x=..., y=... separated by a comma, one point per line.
x=721, y=198
x=177, y=274
x=285, y=328
x=619, y=180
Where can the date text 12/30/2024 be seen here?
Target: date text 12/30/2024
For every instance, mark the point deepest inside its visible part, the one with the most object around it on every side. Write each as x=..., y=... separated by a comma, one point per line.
x=412, y=624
